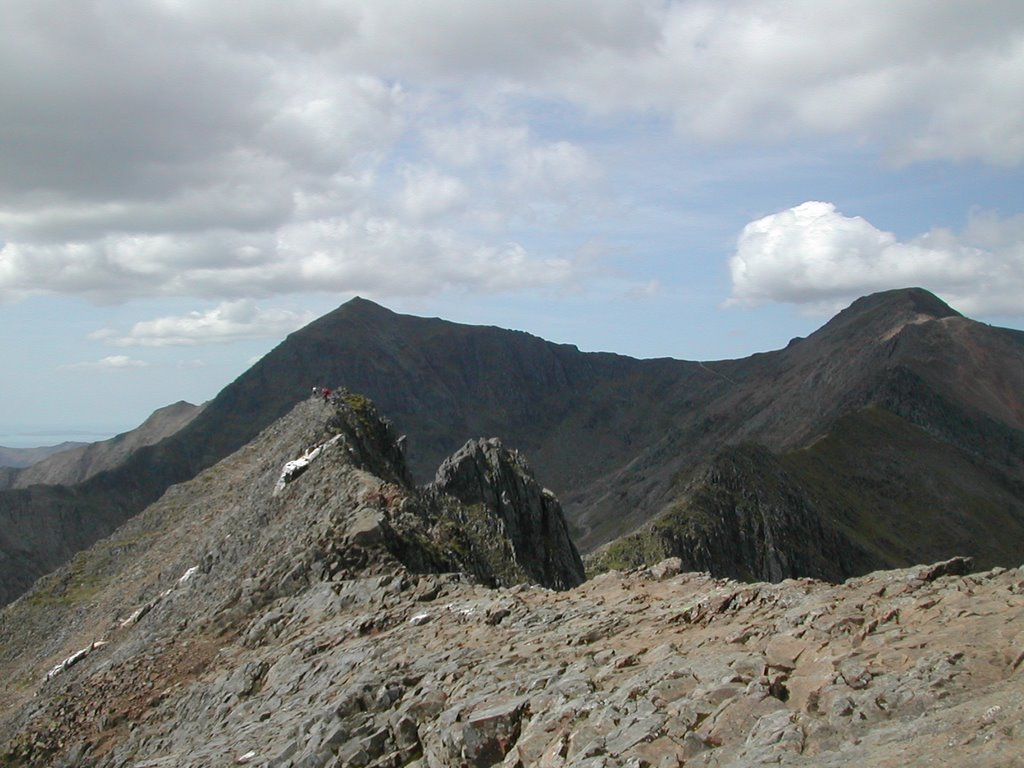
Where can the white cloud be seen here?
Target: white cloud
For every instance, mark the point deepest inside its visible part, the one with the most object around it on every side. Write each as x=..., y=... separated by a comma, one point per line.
x=452, y=40
x=915, y=80
x=231, y=321
x=358, y=253
x=179, y=147
x=429, y=194
x=382, y=255
x=510, y=153
x=551, y=166
x=112, y=362
x=918, y=80
x=474, y=143
x=323, y=122
x=265, y=162
x=512, y=175
x=814, y=255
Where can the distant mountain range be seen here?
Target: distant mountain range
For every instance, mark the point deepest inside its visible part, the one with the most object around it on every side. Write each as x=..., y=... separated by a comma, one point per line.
x=72, y=463
x=18, y=458
x=892, y=435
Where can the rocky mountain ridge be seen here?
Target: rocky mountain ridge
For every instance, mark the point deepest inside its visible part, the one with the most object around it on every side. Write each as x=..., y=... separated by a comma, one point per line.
x=623, y=443
x=254, y=512
x=744, y=516
x=300, y=603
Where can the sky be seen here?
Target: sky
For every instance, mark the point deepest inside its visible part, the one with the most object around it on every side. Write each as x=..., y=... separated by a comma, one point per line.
x=185, y=182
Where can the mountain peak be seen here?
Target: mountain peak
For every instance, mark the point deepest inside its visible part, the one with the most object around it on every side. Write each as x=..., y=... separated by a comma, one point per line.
x=357, y=306
x=882, y=315
x=916, y=301
x=358, y=302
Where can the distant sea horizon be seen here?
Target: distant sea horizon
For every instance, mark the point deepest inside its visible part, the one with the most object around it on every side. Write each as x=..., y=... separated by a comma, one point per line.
x=42, y=437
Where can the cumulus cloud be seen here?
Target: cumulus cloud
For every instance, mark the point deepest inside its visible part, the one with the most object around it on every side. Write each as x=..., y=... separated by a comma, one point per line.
x=230, y=321
x=814, y=255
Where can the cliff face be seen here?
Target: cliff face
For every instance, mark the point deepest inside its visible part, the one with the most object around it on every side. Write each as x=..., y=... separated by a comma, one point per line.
x=902, y=351
x=504, y=530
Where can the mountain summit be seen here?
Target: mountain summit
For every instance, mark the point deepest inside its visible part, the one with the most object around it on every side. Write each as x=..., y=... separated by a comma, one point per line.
x=909, y=303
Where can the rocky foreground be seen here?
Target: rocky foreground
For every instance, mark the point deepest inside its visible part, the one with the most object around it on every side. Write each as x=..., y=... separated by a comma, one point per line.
x=294, y=619
x=653, y=668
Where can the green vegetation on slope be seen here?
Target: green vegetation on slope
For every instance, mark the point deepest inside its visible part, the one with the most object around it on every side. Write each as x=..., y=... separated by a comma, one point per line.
x=875, y=491
x=908, y=497
x=744, y=516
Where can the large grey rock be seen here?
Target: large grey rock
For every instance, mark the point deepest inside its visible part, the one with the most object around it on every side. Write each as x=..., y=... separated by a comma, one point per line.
x=484, y=474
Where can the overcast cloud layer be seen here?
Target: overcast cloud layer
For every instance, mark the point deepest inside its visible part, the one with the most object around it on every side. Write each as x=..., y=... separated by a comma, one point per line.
x=227, y=152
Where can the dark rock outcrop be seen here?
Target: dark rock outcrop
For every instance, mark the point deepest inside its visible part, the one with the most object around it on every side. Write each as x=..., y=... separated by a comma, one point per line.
x=485, y=473
x=485, y=515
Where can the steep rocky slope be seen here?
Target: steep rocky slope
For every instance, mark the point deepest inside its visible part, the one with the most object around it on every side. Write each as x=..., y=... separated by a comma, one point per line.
x=746, y=517
x=620, y=440
x=321, y=501
x=902, y=351
x=483, y=476
x=63, y=504
x=301, y=604
x=446, y=383
x=875, y=491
